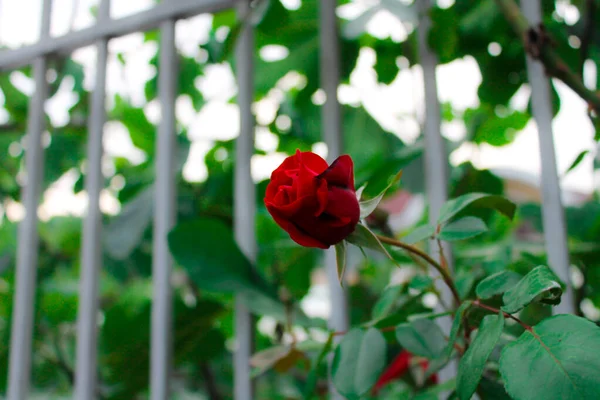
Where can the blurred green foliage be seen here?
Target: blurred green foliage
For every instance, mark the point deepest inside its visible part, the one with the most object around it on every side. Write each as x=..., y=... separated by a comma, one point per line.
x=203, y=324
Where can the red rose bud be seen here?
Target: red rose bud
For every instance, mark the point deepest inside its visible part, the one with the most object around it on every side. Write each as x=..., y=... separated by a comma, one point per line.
x=314, y=203
x=397, y=368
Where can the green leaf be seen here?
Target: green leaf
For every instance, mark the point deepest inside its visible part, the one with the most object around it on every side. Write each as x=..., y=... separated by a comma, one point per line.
x=422, y=337
x=364, y=237
x=454, y=206
x=386, y=302
x=420, y=233
x=368, y=206
x=472, y=364
x=456, y=324
x=311, y=379
x=463, y=228
x=358, y=362
x=539, y=285
x=340, y=257
x=206, y=249
x=577, y=161
x=497, y=283
x=420, y=282
x=126, y=230
x=556, y=360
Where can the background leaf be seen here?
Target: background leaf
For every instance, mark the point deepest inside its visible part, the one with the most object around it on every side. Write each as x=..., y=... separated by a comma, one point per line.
x=422, y=337
x=498, y=203
x=463, y=228
x=359, y=359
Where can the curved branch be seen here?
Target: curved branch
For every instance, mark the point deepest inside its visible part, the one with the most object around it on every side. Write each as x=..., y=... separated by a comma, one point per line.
x=538, y=46
x=411, y=249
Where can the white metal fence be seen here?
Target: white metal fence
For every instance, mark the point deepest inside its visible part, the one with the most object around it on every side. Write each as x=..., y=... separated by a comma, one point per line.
x=164, y=16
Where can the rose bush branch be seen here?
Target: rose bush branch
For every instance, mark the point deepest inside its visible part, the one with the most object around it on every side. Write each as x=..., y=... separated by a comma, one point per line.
x=411, y=249
x=479, y=304
x=539, y=46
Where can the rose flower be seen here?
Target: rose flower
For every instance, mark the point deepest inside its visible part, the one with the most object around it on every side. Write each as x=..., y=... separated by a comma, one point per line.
x=314, y=203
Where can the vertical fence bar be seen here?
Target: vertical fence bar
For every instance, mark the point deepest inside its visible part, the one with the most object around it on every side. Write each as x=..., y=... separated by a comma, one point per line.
x=553, y=216
x=164, y=217
x=86, y=385
x=331, y=127
x=435, y=158
x=19, y=374
x=244, y=199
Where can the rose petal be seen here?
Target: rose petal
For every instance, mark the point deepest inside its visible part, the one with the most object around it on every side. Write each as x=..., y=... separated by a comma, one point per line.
x=312, y=161
x=296, y=234
x=322, y=195
x=342, y=204
x=340, y=173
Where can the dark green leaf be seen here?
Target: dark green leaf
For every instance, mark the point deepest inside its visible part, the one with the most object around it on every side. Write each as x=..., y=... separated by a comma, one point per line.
x=539, y=285
x=463, y=228
x=556, y=360
x=420, y=233
x=577, y=161
x=208, y=252
x=472, y=363
x=422, y=337
x=358, y=362
x=454, y=206
x=497, y=283
x=420, y=282
x=458, y=320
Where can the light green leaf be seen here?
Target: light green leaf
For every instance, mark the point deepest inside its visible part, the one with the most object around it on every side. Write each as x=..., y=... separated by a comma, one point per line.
x=364, y=237
x=358, y=362
x=368, y=206
x=463, y=228
x=498, y=203
x=539, y=285
x=340, y=257
x=422, y=337
x=420, y=233
x=556, y=360
x=360, y=191
x=472, y=364
x=497, y=283
x=125, y=231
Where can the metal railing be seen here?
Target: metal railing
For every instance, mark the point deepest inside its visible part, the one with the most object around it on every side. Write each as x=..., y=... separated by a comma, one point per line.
x=164, y=16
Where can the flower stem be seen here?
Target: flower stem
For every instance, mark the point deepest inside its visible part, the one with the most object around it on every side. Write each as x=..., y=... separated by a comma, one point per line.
x=412, y=249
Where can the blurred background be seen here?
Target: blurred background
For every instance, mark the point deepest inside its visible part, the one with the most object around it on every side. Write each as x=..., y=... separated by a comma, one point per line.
x=491, y=139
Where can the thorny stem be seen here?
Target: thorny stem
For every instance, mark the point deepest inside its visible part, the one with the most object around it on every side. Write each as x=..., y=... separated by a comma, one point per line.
x=479, y=304
x=443, y=271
